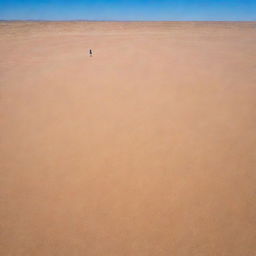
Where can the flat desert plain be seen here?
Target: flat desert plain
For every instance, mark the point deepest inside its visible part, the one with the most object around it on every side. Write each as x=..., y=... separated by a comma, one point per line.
x=146, y=148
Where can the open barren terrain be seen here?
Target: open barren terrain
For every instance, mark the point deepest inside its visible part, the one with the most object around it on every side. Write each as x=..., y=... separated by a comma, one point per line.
x=147, y=148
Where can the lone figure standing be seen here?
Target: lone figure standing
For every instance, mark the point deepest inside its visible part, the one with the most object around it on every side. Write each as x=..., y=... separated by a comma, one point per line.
x=90, y=52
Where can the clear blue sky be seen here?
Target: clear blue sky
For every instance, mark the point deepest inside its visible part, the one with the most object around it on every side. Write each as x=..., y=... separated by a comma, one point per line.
x=128, y=9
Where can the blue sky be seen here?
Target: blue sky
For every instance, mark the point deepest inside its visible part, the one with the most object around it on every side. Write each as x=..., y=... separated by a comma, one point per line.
x=128, y=9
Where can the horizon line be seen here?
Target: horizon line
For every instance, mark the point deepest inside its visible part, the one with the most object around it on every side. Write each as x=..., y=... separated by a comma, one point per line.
x=84, y=20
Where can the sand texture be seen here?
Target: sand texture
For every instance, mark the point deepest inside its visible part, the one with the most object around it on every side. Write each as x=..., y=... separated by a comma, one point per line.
x=148, y=148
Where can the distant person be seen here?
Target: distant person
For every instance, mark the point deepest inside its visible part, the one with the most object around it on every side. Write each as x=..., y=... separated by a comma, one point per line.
x=90, y=52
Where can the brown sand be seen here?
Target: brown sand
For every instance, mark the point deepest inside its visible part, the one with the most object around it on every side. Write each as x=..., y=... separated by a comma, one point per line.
x=147, y=148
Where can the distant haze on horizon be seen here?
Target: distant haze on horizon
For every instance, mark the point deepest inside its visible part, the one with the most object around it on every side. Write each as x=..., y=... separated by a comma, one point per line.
x=124, y=10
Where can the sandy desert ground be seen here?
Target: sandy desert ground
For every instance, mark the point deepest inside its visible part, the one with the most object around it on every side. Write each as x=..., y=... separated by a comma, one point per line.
x=147, y=148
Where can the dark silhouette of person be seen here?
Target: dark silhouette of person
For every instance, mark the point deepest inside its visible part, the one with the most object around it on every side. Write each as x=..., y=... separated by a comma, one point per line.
x=90, y=52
